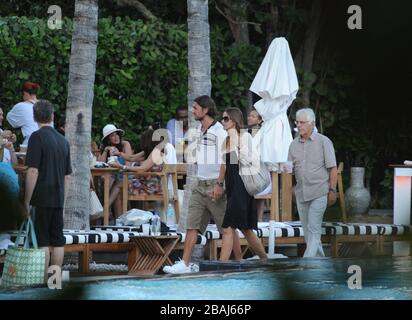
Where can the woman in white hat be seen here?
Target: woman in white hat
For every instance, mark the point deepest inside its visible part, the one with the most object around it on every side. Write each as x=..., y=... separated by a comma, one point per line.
x=112, y=143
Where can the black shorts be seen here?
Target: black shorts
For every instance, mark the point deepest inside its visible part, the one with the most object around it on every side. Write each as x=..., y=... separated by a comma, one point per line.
x=48, y=223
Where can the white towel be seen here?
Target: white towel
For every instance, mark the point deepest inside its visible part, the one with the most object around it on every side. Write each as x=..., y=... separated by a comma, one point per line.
x=5, y=241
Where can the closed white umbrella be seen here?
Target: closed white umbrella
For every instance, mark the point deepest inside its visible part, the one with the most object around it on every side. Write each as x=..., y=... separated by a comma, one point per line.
x=276, y=83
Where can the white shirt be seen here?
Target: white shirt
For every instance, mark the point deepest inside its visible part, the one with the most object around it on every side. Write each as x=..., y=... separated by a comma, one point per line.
x=6, y=153
x=175, y=131
x=21, y=116
x=170, y=154
x=208, y=150
x=6, y=156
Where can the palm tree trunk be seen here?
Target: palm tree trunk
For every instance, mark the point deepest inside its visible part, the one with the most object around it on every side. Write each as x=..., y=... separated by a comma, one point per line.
x=79, y=111
x=311, y=39
x=199, y=80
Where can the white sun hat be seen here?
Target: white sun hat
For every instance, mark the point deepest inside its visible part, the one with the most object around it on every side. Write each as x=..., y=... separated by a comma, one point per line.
x=109, y=129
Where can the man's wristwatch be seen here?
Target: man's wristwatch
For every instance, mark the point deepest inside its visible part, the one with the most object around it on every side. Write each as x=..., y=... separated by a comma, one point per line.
x=332, y=189
x=219, y=183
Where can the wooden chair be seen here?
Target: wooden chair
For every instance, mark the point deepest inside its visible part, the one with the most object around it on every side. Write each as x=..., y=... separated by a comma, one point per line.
x=168, y=170
x=340, y=192
x=286, y=187
x=181, y=170
x=94, y=149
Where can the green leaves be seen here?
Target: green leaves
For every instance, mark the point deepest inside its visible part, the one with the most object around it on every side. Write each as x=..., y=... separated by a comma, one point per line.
x=127, y=75
x=321, y=89
x=141, y=69
x=309, y=77
x=23, y=75
x=233, y=69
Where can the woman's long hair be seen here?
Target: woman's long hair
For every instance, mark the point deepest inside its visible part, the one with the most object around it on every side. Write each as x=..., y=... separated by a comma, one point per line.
x=151, y=138
x=106, y=143
x=237, y=117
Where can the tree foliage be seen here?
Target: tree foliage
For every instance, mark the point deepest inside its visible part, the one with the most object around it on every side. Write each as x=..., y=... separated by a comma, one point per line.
x=141, y=74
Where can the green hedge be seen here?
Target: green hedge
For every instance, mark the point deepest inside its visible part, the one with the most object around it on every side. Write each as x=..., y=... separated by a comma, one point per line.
x=141, y=69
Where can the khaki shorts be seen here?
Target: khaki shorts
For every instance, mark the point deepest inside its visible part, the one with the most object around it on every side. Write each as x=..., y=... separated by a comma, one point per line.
x=202, y=208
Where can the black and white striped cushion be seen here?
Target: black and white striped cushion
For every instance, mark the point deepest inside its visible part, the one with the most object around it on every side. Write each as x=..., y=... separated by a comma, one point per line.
x=339, y=228
x=395, y=229
x=81, y=236
x=212, y=234
x=75, y=238
x=365, y=228
x=328, y=228
x=283, y=232
x=215, y=234
x=106, y=236
x=201, y=239
x=111, y=237
x=117, y=228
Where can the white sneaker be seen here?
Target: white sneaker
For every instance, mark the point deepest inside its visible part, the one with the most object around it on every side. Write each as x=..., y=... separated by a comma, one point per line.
x=180, y=267
x=254, y=258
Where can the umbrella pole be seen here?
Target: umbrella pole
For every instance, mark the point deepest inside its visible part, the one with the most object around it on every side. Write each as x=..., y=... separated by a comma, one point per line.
x=274, y=216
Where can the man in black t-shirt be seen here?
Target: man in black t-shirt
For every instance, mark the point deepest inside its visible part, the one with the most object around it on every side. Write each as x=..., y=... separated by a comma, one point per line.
x=48, y=160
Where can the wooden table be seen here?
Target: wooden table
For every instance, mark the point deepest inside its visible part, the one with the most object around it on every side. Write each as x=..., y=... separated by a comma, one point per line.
x=181, y=170
x=106, y=173
x=152, y=253
x=99, y=172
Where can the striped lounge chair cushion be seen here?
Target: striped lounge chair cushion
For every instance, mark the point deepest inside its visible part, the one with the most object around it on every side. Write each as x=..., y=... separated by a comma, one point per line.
x=282, y=232
x=117, y=228
x=111, y=237
x=395, y=229
x=282, y=229
x=215, y=234
x=182, y=236
x=100, y=236
x=201, y=239
x=81, y=236
x=366, y=228
x=338, y=228
x=106, y=236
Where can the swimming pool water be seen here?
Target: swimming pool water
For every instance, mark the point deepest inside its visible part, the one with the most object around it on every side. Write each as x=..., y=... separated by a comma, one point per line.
x=323, y=278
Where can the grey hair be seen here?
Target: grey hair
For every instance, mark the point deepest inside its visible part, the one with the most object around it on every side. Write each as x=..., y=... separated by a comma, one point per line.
x=308, y=112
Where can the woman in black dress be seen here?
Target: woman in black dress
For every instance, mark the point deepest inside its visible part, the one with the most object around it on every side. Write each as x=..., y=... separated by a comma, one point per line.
x=241, y=209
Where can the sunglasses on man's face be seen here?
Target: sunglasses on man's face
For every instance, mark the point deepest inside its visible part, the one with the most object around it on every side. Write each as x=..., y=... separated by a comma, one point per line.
x=225, y=119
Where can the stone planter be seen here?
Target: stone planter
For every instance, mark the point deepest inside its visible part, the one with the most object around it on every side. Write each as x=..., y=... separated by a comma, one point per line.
x=357, y=197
